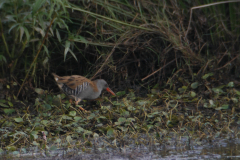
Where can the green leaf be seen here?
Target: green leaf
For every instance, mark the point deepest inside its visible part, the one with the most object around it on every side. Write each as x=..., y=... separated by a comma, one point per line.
x=4, y=105
x=13, y=26
x=66, y=117
x=39, y=91
x=238, y=122
x=207, y=75
x=34, y=134
x=149, y=127
x=193, y=94
x=237, y=92
x=235, y=100
x=77, y=118
x=67, y=46
x=218, y=108
x=47, y=107
x=102, y=117
x=79, y=129
x=142, y=102
x=69, y=138
x=150, y=115
x=131, y=119
x=1, y=151
x=81, y=39
x=122, y=119
x=18, y=120
x=37, y=5
x=99, y=125
x=74, y=56
x=131, y=108
x=183, y=89
x=230, y=84
x=110, y=132
x=91, y=116
x=21, y=32
x=3, y=59
x=58, y=140
x=10, y=104
x=205, y=105
x=23, y=150
x=40, y=30
x=225, y=106
x=45, y=62
x=2, y=3
x=72, y=113
x=95, y=135
x=2, y=101
x=121, y=93
x=125, y=113
x=124, y=129
x=35, y=143
x=58, y=36
x=194, y=85
x=11, y=148
x=26, y=33
x=9, y=111
x=62, y=96
x=87, y=132
x=44, y=122
x=211, y=102
x=53, y=148
x=217, y=90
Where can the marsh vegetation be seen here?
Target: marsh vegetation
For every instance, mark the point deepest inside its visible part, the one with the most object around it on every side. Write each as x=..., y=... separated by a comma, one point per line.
x=174, y=66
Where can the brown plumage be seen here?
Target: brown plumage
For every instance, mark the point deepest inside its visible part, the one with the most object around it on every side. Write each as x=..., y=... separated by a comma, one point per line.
x=78, y=87
x=73, y=81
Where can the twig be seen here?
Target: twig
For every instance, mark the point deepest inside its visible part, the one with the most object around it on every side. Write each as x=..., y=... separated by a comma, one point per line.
x=105, y=61
x=72, y=7
x=203, y=6
x=158, y=69
x=173, y=75
x=227, y=63
x=222, y=57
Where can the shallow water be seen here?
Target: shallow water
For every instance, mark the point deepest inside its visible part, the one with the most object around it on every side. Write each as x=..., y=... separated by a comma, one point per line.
x=168, y=150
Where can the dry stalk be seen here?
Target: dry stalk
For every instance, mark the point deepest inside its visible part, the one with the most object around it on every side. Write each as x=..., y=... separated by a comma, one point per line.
x=203, y=6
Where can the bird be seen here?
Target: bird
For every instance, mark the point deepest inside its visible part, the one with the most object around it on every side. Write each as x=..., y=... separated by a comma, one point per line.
x=78, y=87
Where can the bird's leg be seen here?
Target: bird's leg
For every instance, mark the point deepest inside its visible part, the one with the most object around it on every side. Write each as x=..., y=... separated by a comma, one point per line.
x=76, y=103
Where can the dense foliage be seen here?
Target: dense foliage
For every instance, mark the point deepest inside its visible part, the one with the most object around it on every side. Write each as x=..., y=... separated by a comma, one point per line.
x=124, y=40
x=184, y=54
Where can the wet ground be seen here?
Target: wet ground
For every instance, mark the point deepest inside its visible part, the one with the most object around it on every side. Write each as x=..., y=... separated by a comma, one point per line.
x=180, y=148
x=174, y=126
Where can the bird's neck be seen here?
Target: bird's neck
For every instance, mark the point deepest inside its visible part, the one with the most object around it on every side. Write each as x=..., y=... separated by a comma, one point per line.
x=96, y=86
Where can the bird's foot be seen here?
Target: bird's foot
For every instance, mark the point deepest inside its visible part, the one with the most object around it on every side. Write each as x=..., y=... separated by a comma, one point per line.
x=82, y=109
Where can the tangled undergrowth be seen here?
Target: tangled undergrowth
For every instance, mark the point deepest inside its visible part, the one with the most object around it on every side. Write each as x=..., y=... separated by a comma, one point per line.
x=198, y=110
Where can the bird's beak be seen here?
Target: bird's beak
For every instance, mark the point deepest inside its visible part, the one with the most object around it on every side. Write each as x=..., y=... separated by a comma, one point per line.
x=109, y=90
